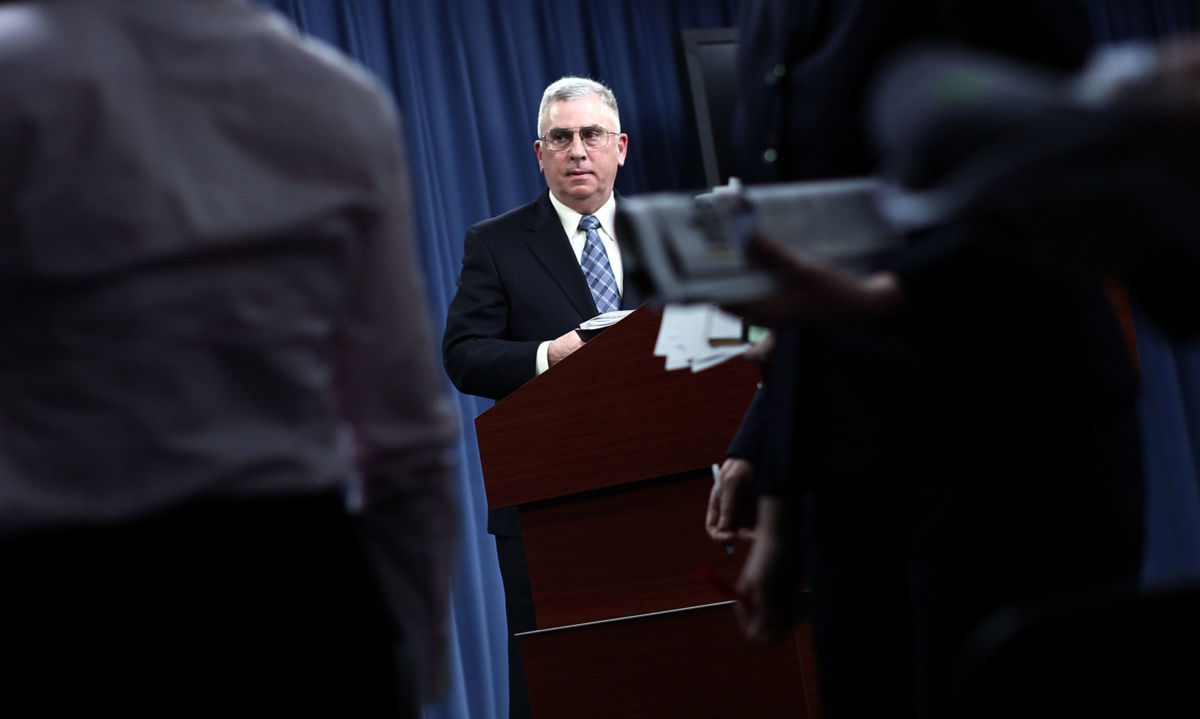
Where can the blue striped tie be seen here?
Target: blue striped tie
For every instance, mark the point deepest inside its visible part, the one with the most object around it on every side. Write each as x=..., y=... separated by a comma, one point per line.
x=596, y=269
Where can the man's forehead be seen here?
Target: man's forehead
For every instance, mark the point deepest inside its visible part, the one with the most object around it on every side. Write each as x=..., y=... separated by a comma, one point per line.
x=586, y=110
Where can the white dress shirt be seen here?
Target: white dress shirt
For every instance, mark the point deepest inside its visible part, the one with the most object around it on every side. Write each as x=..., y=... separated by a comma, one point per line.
x=570, y=221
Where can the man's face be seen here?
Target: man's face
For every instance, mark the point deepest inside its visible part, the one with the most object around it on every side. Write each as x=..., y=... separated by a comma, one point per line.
x=581, y=177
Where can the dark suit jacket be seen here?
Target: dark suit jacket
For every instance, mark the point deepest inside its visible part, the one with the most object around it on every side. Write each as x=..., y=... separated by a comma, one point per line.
x=520, y=286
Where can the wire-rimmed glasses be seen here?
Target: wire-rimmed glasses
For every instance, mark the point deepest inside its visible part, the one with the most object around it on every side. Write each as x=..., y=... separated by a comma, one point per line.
x=593, y=137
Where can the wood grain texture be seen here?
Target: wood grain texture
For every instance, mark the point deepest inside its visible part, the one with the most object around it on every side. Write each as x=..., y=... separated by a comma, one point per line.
x=691, y=663
x=633, y=550
x=610, y=414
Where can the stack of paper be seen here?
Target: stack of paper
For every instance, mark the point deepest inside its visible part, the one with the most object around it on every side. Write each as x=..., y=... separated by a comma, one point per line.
x=590, y=328
x=698, y=336
x=606, y=319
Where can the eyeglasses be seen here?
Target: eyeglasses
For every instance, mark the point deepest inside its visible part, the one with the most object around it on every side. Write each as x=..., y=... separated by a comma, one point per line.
x=560, y=138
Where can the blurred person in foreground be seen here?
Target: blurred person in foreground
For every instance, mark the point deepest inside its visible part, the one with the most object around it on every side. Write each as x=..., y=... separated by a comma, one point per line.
x=224, y=454
x=957, y=431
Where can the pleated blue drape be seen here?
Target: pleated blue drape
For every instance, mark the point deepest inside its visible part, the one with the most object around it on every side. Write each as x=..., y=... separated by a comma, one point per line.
x=468, y=76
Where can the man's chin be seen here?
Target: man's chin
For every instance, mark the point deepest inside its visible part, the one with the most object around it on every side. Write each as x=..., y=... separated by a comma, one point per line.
x=582, y=185
x=576, y=196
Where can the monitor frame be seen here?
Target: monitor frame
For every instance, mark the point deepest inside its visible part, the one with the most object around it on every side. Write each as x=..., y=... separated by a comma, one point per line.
x=710, y=91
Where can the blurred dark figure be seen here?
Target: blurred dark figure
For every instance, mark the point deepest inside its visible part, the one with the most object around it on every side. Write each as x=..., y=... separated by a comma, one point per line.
x=1095, y=171
x=1095, y=175
x=952, y=434
x=224, y=476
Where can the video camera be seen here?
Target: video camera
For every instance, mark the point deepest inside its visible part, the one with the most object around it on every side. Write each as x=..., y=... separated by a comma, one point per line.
x=962, y=137
x=692, y=249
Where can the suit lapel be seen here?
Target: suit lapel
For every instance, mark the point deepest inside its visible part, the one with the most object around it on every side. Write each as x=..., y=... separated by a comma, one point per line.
x=552, y=249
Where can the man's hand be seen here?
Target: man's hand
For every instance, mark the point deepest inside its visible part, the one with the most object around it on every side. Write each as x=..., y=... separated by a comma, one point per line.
x=813, y=294
x=563, y=346
x=760, y=351
x=731, y=503
x=772, y=577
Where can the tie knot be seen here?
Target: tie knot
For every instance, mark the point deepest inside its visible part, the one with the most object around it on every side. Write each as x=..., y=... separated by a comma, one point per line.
x=588, y=223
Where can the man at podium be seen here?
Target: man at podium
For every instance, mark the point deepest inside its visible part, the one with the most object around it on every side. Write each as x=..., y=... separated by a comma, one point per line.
x=529, y=277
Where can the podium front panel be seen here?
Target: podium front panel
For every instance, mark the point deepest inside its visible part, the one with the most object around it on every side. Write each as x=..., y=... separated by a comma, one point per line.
x=631, y=550
x=689, y=663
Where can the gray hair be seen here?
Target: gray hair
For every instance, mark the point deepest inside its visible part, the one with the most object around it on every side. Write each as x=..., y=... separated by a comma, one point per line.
x=575, y=88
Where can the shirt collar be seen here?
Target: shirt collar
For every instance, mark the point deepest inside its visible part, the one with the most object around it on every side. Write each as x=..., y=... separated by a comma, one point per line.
x=607, y=214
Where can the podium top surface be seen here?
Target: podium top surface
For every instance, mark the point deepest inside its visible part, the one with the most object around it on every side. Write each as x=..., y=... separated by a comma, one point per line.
x=610, y=414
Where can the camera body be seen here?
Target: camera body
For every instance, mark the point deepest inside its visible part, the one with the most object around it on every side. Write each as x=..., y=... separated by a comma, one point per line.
x=693, y=248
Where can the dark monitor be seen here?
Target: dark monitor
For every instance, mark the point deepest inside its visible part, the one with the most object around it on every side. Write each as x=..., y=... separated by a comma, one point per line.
x=708, y=64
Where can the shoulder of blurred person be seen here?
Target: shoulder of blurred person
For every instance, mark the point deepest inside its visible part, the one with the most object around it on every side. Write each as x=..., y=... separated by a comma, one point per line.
x=826, y=53
x=102, y=91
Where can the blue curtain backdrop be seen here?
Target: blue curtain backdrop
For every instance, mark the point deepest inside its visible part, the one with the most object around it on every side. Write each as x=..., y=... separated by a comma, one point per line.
x=468, y=74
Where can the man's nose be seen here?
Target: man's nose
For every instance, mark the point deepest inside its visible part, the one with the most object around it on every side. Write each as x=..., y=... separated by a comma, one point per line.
x=577, y=148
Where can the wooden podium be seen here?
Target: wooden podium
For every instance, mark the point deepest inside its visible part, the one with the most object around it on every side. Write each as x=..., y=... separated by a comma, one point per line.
x=608, y=456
